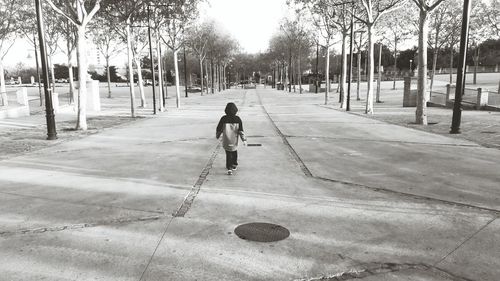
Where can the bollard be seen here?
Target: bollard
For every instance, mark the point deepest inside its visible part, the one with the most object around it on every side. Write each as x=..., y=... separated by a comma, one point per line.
x=482, y=98
x=22, y=96
x=93, y=97
x=55, y=102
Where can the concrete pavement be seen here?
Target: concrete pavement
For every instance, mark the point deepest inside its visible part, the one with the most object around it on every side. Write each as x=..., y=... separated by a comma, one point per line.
x=151, y=200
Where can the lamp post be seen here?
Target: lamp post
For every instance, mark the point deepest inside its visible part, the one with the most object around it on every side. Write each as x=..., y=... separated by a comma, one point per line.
x=411, y=72
x=457, y=105
x=49, y=110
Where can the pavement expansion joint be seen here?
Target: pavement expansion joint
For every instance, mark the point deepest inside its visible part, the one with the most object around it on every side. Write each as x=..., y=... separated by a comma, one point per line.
x=466, y=240
x=116, y=221
x=411, y=195
x=385, y=141
x=308, y=173
x=79, y=203
x=294, y=153
x=374, y=269
x=181, y=140
x=189, y=199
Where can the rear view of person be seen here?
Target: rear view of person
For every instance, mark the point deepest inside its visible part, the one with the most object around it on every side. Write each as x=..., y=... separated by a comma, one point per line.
x=231, y=127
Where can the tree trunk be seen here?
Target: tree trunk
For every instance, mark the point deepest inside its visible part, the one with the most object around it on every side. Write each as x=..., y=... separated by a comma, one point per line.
x=130, y=71
x=299, y=72
x=201, y=74
x=165, y=70
x=358, y=80
x=177, y=89
x=451, y=65
x=327, y=72
x=81, y=122
x=379, y=80
x=434, y=63
x=342, y=97
x=421, y=111
x=281, y=75
x=108, y=77
x=476, y=64
x=289, y=73
x=160, y=74
x=207, y=74
x=140, y=81
x=52, y=75
x=395, y=61
x=218, y=77
x=224, y=76
x=3, y=90
x=71, y=78
x=369, y=77
x=212, y=79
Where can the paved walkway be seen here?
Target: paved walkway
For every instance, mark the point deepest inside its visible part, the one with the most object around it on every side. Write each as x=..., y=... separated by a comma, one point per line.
x=361, y=198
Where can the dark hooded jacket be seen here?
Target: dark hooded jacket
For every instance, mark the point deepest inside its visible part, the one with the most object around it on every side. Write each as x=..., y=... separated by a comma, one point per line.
x=230, y=127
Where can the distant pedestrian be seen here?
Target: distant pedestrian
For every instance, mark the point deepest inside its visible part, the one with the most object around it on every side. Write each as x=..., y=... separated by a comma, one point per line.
x=231, y=127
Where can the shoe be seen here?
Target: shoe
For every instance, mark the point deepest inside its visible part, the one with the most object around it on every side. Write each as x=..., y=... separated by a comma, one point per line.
x=235, y=168
x=229, y=172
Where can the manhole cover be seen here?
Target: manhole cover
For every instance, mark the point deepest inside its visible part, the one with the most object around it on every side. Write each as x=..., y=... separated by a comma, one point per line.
x=261, y=232
x=254, y=144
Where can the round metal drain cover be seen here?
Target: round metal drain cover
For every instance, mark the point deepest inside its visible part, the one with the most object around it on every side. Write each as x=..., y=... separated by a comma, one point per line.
x=261, y=232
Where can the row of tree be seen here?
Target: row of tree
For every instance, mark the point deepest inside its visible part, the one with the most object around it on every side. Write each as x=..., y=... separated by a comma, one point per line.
x=326, y=23
x=115, y=26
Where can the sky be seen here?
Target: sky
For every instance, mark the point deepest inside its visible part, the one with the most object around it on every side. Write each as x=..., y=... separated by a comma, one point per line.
x=251, y=22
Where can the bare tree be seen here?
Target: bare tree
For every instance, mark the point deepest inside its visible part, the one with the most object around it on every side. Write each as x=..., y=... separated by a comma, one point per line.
x=198, y=37
x=10, y=10
x=70, y=36
x=277, y=50
x=176, y=18
x=122, y=15
x=397, y=30
x=372, y=11
x=323, y=15
x=478, y=33
x=107, y=43
x=80, y=14
x=425, y=7
x=295, y=32
x=490, y=12
x=440, y=32
x=139, y=43
x=53, y=32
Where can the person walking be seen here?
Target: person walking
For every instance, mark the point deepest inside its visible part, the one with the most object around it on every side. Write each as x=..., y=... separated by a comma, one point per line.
x=231, y=127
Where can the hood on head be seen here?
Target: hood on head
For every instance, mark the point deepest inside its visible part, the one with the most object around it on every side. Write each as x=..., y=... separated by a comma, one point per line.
x=231, y=109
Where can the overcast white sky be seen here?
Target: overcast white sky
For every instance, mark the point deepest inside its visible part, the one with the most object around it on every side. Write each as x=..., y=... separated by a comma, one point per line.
x=251, y=22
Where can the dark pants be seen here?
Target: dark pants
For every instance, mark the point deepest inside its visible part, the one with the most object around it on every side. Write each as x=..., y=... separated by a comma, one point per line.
x=231, y=159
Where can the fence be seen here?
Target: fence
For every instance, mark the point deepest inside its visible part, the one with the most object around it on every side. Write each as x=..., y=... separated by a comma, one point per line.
x=472, y=98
